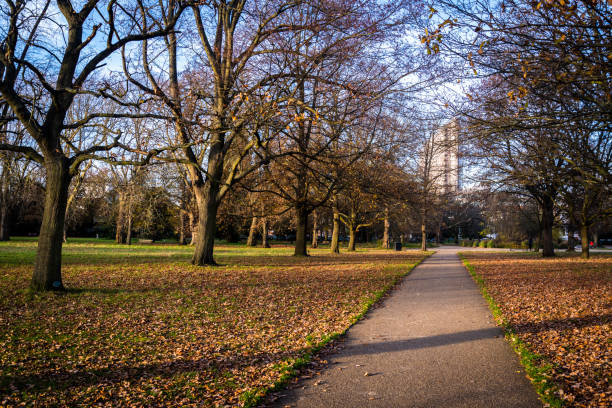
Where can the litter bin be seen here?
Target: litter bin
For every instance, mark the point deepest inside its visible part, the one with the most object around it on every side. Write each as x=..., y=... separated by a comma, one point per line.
x=398, y=246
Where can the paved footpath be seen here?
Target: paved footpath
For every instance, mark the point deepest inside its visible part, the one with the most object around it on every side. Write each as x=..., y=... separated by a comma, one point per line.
x=432, y=343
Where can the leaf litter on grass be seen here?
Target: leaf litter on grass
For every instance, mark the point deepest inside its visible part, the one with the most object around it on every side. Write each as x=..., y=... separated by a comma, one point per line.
x=171, y=334
x=562, y=309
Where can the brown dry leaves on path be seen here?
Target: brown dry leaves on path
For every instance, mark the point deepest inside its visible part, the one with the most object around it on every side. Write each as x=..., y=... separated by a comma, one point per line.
x=562, y=308
x=171, y=334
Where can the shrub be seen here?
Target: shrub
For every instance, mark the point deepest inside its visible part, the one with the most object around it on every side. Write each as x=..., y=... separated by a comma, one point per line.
x=490, y=244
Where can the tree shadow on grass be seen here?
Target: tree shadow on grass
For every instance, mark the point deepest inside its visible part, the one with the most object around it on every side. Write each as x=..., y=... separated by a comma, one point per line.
x=63, y=379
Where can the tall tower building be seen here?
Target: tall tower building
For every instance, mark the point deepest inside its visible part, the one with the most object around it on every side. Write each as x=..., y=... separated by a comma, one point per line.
x=445, y=170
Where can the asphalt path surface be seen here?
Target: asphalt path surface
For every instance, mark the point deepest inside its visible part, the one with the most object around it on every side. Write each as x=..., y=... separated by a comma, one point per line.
x=432, y=343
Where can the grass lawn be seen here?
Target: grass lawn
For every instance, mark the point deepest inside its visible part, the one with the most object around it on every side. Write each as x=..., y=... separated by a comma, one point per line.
x=139, y=326
x=561, y=310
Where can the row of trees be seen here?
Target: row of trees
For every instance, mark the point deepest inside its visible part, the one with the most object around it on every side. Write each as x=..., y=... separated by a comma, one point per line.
x=538, y=102
x=232, y=92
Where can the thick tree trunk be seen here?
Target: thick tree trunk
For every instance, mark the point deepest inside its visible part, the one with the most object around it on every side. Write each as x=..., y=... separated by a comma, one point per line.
x=547, y=227
x=264, y=233
x=334, y=246
x=207, y=224
x=48, y=267
x=251, y=241
x=301, y=220
x=315, y=229
x=386, y=244
x=584, y=238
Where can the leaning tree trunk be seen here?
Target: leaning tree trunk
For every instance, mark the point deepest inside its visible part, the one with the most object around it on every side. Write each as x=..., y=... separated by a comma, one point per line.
x=334, y=246
x=264, y=233
x=584, y=238
x=315, y=229
x=251, y=241
x=547, y=227
x=385, y=243
x=301, y=220
x=48, y=267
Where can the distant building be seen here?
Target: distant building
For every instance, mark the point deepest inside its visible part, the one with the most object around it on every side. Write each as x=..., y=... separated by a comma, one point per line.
x=443, y=147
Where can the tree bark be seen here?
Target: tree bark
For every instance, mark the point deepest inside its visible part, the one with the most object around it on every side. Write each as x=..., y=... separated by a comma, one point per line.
x=48, y=267
x=570, y=240
x=386, y=223
x=4, y=225
x=182, y=240
x=119, y=225
x=207, y=224
x=4, y=203
x=423, y=230
x=264, y=233
x=251, y=241
x=128, y=238
x=193, y=226
x=352, y=233
x=334, y=246
x=315, y=229
x=584, y=238
x=301, y=220
x=547, y=227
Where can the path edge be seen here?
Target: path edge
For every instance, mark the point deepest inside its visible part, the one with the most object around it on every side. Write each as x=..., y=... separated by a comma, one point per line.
x=538, y=374
x=256, y=397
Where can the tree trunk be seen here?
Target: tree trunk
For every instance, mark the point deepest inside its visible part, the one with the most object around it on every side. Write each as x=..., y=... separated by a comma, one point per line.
x=182, y=240
x=595, y=238
x=423, y=231
x=264, y=233
x=570, y=240
x=4, y=204
x=301, y=220
x=48, y=267
x=4, y=225
x=584, y=238
x=315, y=229
x=120, y=221
x=207, y=224
x=548, y=219
x=386, y=244
x=128, y=238
x=251, y=241
x=352, y=233
x=334, y=246
x=193, y=226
